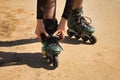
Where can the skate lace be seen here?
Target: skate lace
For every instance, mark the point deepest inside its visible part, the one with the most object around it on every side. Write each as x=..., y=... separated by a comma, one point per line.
x=83, y=20
x=54, y=41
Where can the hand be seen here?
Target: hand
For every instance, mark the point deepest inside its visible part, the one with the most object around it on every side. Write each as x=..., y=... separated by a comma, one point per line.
x=40, y=29
x=61, y=28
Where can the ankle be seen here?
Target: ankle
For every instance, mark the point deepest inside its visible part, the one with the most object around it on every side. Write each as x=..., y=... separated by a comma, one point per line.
x=77, y=11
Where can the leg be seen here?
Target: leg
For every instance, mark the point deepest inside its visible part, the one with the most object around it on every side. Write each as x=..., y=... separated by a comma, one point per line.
x=75, y=14
x=77, y=23
x=51, y=25
x=50, y=9
x=50, y=21
x=77, y=4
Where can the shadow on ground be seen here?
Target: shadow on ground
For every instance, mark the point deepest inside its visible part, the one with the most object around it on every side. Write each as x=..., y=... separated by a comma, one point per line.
x=18, y=42
x=74, y=41
x=67, y=40
x=34, y=60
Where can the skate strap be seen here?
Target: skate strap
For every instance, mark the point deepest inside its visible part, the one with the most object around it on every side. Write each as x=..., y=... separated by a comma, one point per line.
x=50, y=38
x=85, y=20
x=54, y=40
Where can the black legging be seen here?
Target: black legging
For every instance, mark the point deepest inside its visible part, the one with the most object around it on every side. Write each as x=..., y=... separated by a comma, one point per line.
x=41, y=4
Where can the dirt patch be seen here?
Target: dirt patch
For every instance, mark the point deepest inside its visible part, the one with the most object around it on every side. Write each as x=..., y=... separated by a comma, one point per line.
x=11, y=19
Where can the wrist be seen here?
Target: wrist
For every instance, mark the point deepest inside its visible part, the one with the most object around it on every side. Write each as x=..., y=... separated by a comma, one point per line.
x=62, y=24
x=63, y=21
x=40, y=23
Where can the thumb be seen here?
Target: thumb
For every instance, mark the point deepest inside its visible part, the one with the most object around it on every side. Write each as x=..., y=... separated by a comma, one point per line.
x=39, y=37
x=46, y=34
x=56, y=33
x=62, y=35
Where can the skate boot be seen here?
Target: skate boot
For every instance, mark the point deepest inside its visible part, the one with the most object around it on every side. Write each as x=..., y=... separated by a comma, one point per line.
x=50, y=27
x=51, y=48
x=79, y=27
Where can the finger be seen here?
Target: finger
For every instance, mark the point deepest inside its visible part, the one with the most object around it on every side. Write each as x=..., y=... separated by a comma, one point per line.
x=39, y=37
x=56, y=33
x=46, y=34
x=62, y=35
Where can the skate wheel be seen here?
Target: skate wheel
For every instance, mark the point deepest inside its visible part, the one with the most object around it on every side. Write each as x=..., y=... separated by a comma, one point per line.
x=70, y=34
x=49, y=58
x=85, y=38
x=77, y=37
x=55, y=61
x=92, y=39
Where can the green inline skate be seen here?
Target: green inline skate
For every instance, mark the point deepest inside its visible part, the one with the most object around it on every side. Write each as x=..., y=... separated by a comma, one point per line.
x=79, y=27
x=51, y=48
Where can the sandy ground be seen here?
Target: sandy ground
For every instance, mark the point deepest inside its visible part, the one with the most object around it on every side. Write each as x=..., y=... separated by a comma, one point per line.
x=77, y=62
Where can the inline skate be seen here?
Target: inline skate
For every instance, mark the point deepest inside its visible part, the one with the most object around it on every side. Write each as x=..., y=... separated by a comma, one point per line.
x=51, y=47
x=79, y=27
